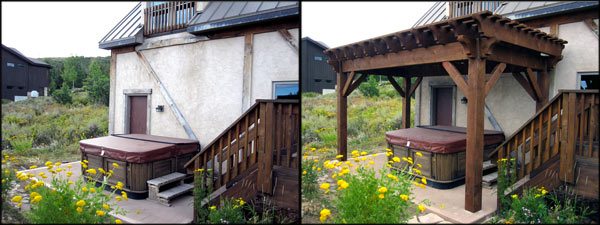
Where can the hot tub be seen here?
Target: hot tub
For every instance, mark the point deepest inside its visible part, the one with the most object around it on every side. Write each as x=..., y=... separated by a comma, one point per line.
x=443, y=149
x=140, y=157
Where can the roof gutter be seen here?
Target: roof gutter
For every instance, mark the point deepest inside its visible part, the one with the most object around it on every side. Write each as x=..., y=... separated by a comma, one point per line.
x=550, y=10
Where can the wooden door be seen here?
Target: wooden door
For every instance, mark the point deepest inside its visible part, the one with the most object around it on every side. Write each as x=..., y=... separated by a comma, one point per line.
x=138, y=111
x=442, y=106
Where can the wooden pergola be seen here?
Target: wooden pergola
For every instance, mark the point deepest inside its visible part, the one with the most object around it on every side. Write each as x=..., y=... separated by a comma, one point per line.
x=475, y=45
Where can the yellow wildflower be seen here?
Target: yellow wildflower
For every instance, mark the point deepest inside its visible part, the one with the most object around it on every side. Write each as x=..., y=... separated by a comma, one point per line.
x=93, y=190
x=304, y=172
x=388, y=154
x=381, y=196
x=515, y=196
x=57, y=164
x=119, y=185
x=48, y=163
x=100, y=213
x=419, y=154
x=419, y=165
x=17, y=199
x=33, y=167
x=36, y=199
x=84, y=189
x=363, y=153
x=79, y=209
x=69, y=173
x=324, y=214
x=396, y=159
x=69, y=166
x=212, y=208
x=91, y=171
x=118, y=221
x=124, y=194
x=404, y=197
x=421, y=208
x=423, y=180
x=105, y=206
x=80, y=203
x=339, y=156
x=382, y=190
x=118, y=198
x=85, y=161
x=115, y=165
x=371, y=162
x=325, y=186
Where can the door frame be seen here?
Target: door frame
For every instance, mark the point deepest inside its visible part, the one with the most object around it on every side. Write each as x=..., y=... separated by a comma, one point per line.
x=137, y=92
x=432, y=107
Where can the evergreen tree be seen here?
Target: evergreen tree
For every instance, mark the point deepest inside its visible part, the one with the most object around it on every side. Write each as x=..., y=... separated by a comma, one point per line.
x=97, y=84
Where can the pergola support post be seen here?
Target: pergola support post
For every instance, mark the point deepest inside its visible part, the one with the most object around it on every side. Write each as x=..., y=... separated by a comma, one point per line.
x=342, y=115
x=475, y=123
x=406, y=104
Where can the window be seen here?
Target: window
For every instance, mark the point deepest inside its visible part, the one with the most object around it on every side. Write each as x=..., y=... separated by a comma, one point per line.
x=589, y=81
x=318, y=58
x=9, y=87
x=285, y=90
x=20, y=65
x=10, y=64
x=317, y=80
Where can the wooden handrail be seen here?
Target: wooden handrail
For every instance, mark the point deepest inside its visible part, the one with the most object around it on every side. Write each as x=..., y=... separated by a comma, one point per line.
x=266, y=134
x=566, y=125
x=168, y=16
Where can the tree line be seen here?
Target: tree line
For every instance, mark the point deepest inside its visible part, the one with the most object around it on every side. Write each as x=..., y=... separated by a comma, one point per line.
x=79, y=73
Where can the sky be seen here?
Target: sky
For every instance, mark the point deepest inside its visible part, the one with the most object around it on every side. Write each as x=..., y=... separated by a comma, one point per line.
x=340, y=23
x=60, y=29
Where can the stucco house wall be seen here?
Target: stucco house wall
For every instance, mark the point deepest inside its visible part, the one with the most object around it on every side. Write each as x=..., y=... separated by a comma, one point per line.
x=205, y=80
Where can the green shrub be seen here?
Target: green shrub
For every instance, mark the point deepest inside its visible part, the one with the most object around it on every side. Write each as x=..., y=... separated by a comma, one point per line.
x=369, y=88
x=310, y=94
x=368, y=197
x=63, y=95
x=21, y=144
x=311, y=171
x=71, y=202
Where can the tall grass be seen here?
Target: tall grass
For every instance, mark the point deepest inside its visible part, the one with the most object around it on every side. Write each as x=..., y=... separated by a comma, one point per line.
x=39, y=130
x=368, y=119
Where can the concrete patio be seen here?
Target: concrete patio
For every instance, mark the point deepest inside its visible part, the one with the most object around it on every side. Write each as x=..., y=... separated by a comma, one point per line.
x=138, y=211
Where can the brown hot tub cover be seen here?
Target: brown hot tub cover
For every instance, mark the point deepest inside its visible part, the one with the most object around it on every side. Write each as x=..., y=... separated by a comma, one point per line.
x=439, y=139
x=138, y=148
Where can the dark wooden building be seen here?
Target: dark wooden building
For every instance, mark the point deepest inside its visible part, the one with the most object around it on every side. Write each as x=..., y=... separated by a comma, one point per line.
x=21, y=74
x=316, y=73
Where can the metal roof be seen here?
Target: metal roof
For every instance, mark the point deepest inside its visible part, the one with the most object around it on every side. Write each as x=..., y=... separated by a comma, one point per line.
x=318, y=43
x=127, y=32
x=437, y=12
x=29, y=60
x=224, y=14
x=532, y=9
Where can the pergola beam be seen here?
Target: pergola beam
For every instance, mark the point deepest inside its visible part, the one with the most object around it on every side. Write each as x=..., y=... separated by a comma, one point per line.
x=348, y=82
x=342, y=116
x=531, y=77
x=494, y=78
x=355, y=84
x=396, y=86
x=525, y=84
x=418, y=56
x=457, y=78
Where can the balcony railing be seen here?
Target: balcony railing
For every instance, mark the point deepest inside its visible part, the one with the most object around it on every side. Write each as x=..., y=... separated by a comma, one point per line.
x=168, y=16
x=461, y=8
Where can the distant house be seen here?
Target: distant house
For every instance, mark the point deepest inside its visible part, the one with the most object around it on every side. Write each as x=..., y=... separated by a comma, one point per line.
x=316, y=73
x=21, y=75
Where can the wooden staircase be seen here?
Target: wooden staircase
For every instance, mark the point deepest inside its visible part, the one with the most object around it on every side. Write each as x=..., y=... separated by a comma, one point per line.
x=258, y=155
x=558, y=145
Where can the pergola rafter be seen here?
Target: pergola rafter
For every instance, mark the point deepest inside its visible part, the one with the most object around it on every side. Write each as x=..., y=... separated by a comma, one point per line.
x=471, y=45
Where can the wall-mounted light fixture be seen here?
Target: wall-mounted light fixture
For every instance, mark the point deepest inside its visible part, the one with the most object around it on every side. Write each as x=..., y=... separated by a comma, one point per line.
x=160, y=108
x=463, y=100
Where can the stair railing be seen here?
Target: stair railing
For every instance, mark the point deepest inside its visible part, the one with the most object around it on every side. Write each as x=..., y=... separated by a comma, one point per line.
x=265, y=136
x=566, y=125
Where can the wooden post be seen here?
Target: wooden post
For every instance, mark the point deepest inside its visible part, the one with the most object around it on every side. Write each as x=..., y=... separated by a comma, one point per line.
x=265, y=151
x=475, y=123
x=342, y=117
x=406, y=104
x=567, y=139
x=544, y=84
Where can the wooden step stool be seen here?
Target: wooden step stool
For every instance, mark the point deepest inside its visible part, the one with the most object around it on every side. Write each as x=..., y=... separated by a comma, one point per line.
x=165, y=197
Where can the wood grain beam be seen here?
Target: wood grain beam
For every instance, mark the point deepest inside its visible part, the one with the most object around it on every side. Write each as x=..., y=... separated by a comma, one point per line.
x=414, y=86
x=532, y=78
x=348, y=83
x=396, y=86
x=523, y=82
x=494, y=78
x=355, y=84
x=432, y=54
x=342, y=117
x=457, y=77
